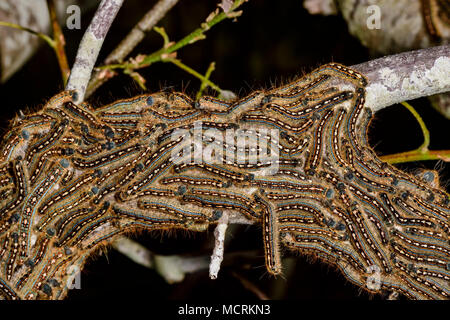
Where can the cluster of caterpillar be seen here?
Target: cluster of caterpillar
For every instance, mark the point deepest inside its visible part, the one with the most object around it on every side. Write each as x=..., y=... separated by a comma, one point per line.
x=73, y=178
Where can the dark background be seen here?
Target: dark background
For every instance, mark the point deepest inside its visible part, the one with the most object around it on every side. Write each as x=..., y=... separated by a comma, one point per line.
x=272, y=42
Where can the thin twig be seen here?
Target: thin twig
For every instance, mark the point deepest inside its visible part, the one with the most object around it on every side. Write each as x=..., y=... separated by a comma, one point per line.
x=172, y=268
x=417, y=155
x=134, y=251
x=90, y=46
x=188, y=69
x=168, y=51
x=217, y=256
x=425, y=132
x=422, y=153
x=43, y=36
x=133, y=38
x=203, y=85
x=59, y=42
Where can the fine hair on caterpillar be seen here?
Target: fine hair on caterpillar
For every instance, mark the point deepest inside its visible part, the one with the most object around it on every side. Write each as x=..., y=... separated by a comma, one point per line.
x=75, y=177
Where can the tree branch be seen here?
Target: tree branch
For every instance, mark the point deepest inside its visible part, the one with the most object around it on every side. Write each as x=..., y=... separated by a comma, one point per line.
x=217, y=256
x=59, y=41
x=90, y=46
x=406, y=76
x=172, y=268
